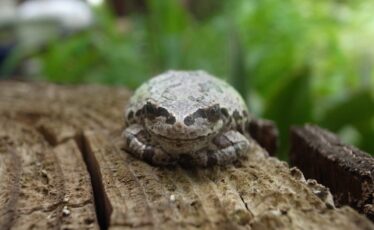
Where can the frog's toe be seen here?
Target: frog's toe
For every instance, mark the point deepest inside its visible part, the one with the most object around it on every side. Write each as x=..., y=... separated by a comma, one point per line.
x=190, y=161
x=203, y=158
x=136, y=142
x=230, y=146
x=156, y=156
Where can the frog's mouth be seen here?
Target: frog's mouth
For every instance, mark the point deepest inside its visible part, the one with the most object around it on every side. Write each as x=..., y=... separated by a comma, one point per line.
x=181, y=144
x=195, y=139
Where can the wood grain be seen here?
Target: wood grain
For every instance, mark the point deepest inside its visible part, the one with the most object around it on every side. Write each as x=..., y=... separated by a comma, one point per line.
x=61, y=166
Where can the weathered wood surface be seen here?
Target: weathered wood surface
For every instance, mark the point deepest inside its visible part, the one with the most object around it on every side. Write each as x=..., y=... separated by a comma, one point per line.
x=46, y=131
x=346, y=170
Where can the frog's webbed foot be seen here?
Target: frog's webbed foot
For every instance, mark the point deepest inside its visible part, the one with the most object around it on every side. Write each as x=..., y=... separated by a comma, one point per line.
x=137, y=142
x=225, y=149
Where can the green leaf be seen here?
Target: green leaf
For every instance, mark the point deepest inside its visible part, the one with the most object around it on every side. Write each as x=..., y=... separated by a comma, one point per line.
x=366, y=129
x=354, y=109
x=291, y=105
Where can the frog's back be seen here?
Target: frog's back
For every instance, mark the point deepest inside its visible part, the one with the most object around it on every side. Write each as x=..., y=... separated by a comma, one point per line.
x=183, y=92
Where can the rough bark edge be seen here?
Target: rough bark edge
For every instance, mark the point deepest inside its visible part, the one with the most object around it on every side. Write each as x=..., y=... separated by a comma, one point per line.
x=265, y=132
x=346, y=170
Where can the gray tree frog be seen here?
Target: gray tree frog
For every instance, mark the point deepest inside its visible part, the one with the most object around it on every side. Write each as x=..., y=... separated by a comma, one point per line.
x=188, y=117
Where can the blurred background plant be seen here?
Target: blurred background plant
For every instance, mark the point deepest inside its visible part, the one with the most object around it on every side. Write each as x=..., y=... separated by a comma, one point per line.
x=294, y=61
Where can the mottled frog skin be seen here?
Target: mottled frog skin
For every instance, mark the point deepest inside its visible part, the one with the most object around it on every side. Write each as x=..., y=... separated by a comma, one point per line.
x=188, y=117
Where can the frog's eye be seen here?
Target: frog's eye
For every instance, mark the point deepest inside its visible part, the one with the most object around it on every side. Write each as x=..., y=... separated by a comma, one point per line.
x=150, y=110
x=224, y=112
x=214, y=113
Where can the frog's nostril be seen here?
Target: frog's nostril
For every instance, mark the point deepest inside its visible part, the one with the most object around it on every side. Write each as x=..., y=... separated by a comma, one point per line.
x=178, y=125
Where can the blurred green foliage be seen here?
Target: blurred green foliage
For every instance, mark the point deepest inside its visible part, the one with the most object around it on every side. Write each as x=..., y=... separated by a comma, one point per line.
x=294, y=61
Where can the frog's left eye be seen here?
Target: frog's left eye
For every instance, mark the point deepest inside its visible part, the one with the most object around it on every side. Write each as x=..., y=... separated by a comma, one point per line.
x=214, y=113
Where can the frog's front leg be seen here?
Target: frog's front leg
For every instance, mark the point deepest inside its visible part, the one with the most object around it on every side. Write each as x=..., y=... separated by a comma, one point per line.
x=138, y=143
x=224, y=149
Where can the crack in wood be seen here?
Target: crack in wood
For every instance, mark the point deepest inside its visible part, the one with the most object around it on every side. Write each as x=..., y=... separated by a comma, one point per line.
x=245, y=203
x=102, y=206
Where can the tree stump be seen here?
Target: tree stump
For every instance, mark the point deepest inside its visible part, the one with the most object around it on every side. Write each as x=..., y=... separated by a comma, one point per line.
x=62, y=167
x=346, y=170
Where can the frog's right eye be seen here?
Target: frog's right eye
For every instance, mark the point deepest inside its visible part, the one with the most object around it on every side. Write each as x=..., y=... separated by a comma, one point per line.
x=130, y=115
x=151, y=111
